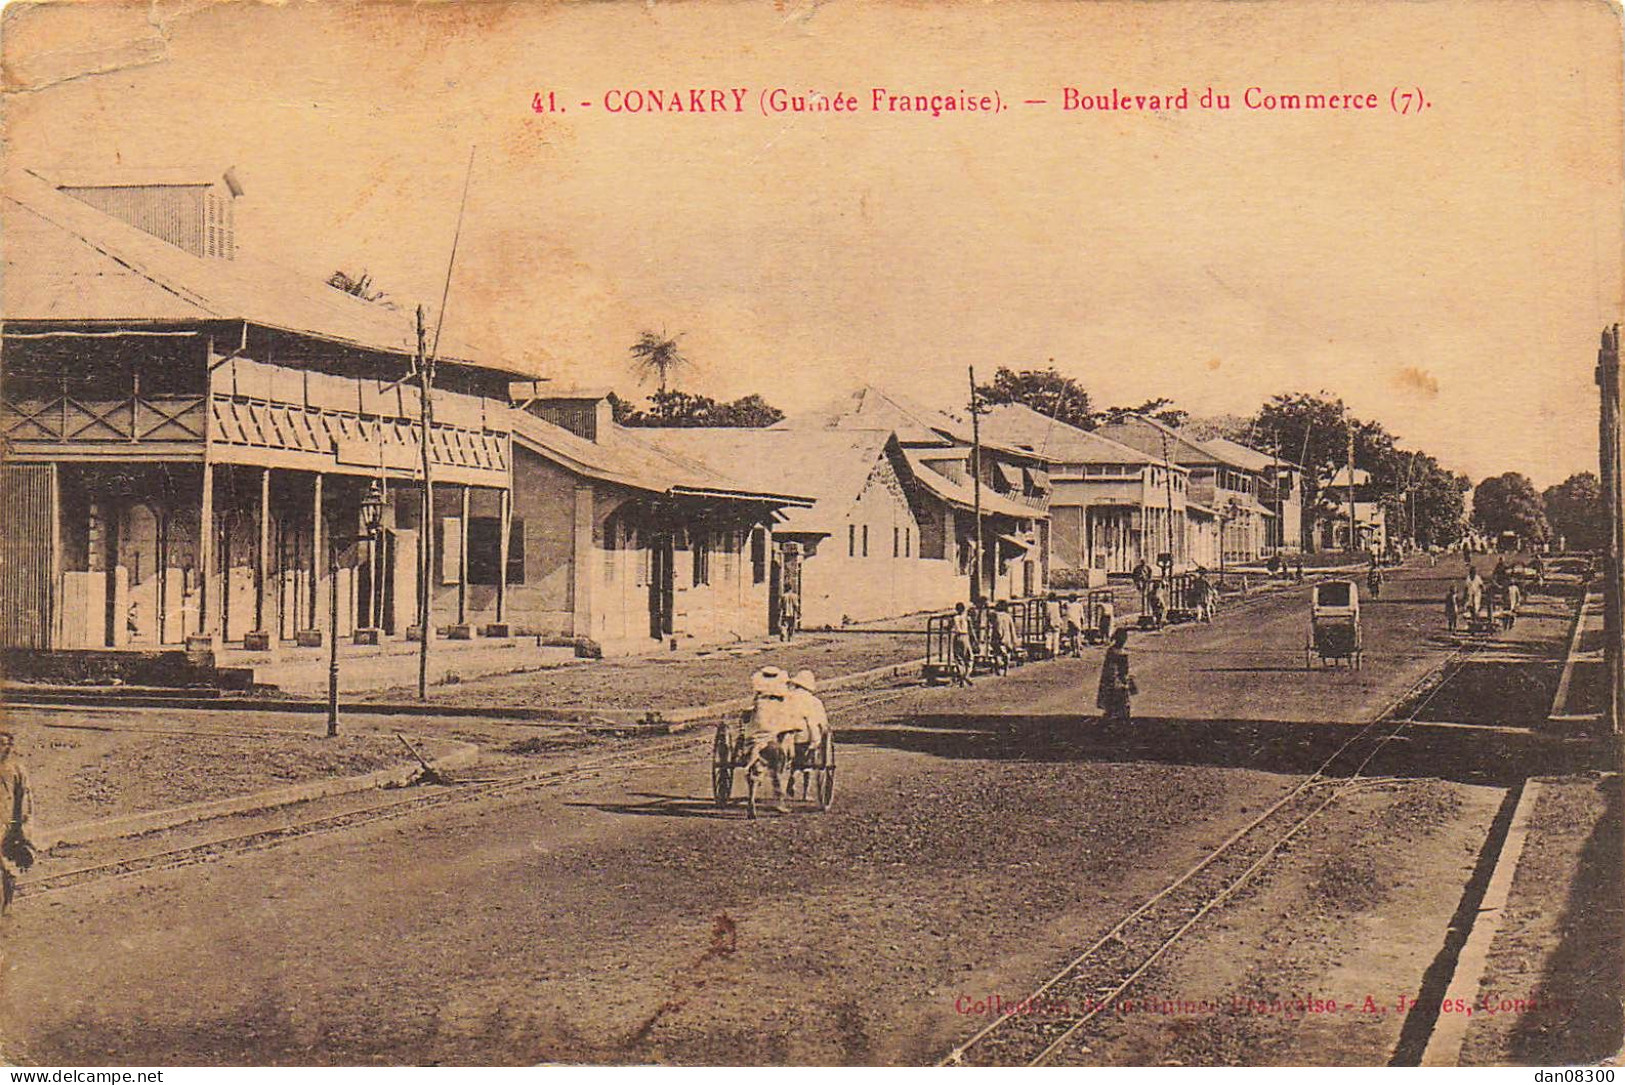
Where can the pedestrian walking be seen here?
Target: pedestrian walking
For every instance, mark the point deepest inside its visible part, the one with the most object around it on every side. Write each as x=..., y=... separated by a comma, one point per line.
x=1117, y=688
x=1105, y=619
x=1474, y=592
x=963, y=647
x=1142, y=576
x=1297, y=570
x=16, y=805
x=1052, y=624
x=1452, y=609
x=1202, y=596
x=789, y=614
x=1073, y=613
x=1004, y=637
x=1156, y=604
x=806, y=706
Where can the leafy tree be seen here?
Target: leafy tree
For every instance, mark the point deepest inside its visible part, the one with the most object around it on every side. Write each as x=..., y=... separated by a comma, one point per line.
x=1509, y=502
x=1044, y=390
x=1311, y=431
x=1232, y=426
x=674, y=408
x=658, y=354
x=1162, y=409
x=1575, y=510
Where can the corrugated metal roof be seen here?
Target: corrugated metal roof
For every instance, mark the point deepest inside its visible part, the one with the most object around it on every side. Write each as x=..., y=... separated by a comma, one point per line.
x=67, y=261
x=829, y=466
x=623, y=457
x=1240, y=455
x=873, y=408
x=1020, y=425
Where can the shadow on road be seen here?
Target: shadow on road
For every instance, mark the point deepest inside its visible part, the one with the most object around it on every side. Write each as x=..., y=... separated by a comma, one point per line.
x=1462, y=754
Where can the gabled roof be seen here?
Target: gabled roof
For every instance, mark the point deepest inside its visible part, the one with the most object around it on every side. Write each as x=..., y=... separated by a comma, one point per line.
x=1018, y=424
x=872, y=408
x=1243, y=456
x=623, y=457
x=67, y=261
x=1340, y=478
x=1142, y=431
x=829, y=466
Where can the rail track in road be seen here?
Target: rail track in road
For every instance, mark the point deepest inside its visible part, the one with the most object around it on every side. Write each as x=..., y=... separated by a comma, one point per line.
x=649, y=753
x=1038, y=1029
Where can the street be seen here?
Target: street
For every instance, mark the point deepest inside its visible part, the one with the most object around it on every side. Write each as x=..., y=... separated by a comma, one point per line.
x=979, y=839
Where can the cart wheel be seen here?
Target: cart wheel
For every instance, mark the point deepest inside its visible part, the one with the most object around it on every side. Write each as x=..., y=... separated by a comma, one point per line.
x=722, y=769
x=826, y=773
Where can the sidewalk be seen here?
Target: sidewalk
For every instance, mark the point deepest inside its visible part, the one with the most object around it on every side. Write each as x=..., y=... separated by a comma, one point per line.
x=129, y=775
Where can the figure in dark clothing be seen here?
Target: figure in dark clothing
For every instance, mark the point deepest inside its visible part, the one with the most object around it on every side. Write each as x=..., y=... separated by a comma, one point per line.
x=1116, y=683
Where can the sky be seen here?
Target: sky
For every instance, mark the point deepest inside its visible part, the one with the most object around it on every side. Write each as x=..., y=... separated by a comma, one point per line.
x=1447, y=271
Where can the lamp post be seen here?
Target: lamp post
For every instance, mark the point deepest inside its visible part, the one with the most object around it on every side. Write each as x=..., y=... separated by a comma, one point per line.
x=1228, y=513
x=372, y=513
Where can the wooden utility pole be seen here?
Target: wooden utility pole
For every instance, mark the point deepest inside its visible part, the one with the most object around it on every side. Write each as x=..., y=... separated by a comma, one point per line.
x=426, y=526
x=426, y=361
x=1348, y=428
x=976, y=486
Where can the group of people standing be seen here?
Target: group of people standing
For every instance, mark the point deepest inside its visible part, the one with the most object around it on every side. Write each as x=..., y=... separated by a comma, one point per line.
x=1066, y=628
x=1499, y=598
x=1064, y=620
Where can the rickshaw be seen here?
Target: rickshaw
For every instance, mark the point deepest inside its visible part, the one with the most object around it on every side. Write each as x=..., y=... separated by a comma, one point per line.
x=730, y=751
x=1098, y=600
x=1334, y=625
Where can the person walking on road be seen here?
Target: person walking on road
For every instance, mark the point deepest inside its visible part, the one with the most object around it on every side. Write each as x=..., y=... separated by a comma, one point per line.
x=1073, y=609
x=1105, y=619
x=16, y=805
x=1004, y=637
x=789, y=614
x=1452, y=609
x=1155, y=604
x=1202, y=597
x=1116, y=689
x=806, y=706
x=1474, y=593
x=962, y=646
x=1142, y=576
x=1052, y=624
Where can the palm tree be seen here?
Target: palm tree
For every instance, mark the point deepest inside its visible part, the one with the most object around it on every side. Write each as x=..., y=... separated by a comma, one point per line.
x=658, y=354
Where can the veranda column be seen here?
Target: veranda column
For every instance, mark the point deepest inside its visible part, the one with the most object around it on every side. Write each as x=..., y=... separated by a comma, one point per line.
x=261, y=637
x=205, y=555
x=505, y=528
x=462, y=561
x=581, y=564
x=318, y=564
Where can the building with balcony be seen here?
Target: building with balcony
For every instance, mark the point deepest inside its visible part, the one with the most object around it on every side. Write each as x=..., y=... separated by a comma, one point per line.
x=187, y=428
x=1111, y=506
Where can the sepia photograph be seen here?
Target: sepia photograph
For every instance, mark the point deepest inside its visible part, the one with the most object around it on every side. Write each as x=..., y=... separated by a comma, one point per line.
x=793, y=533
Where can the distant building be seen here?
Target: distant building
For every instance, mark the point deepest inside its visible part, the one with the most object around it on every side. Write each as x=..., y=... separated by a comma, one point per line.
x=1220, y=480
x=870, y=544
x=1280, y=491
x=1111, y=506
x=619, y=540
x=1370, y=515
x=1014, y=491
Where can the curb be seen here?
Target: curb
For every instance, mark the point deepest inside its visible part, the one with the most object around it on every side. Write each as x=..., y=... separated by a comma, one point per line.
x=462, y=755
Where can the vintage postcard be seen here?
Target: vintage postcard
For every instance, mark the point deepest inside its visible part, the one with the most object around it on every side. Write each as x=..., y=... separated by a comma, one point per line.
x=811, y=533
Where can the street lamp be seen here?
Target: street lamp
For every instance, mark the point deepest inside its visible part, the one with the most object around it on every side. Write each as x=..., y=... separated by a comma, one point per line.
x=372, y=514
x=1228, y=513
